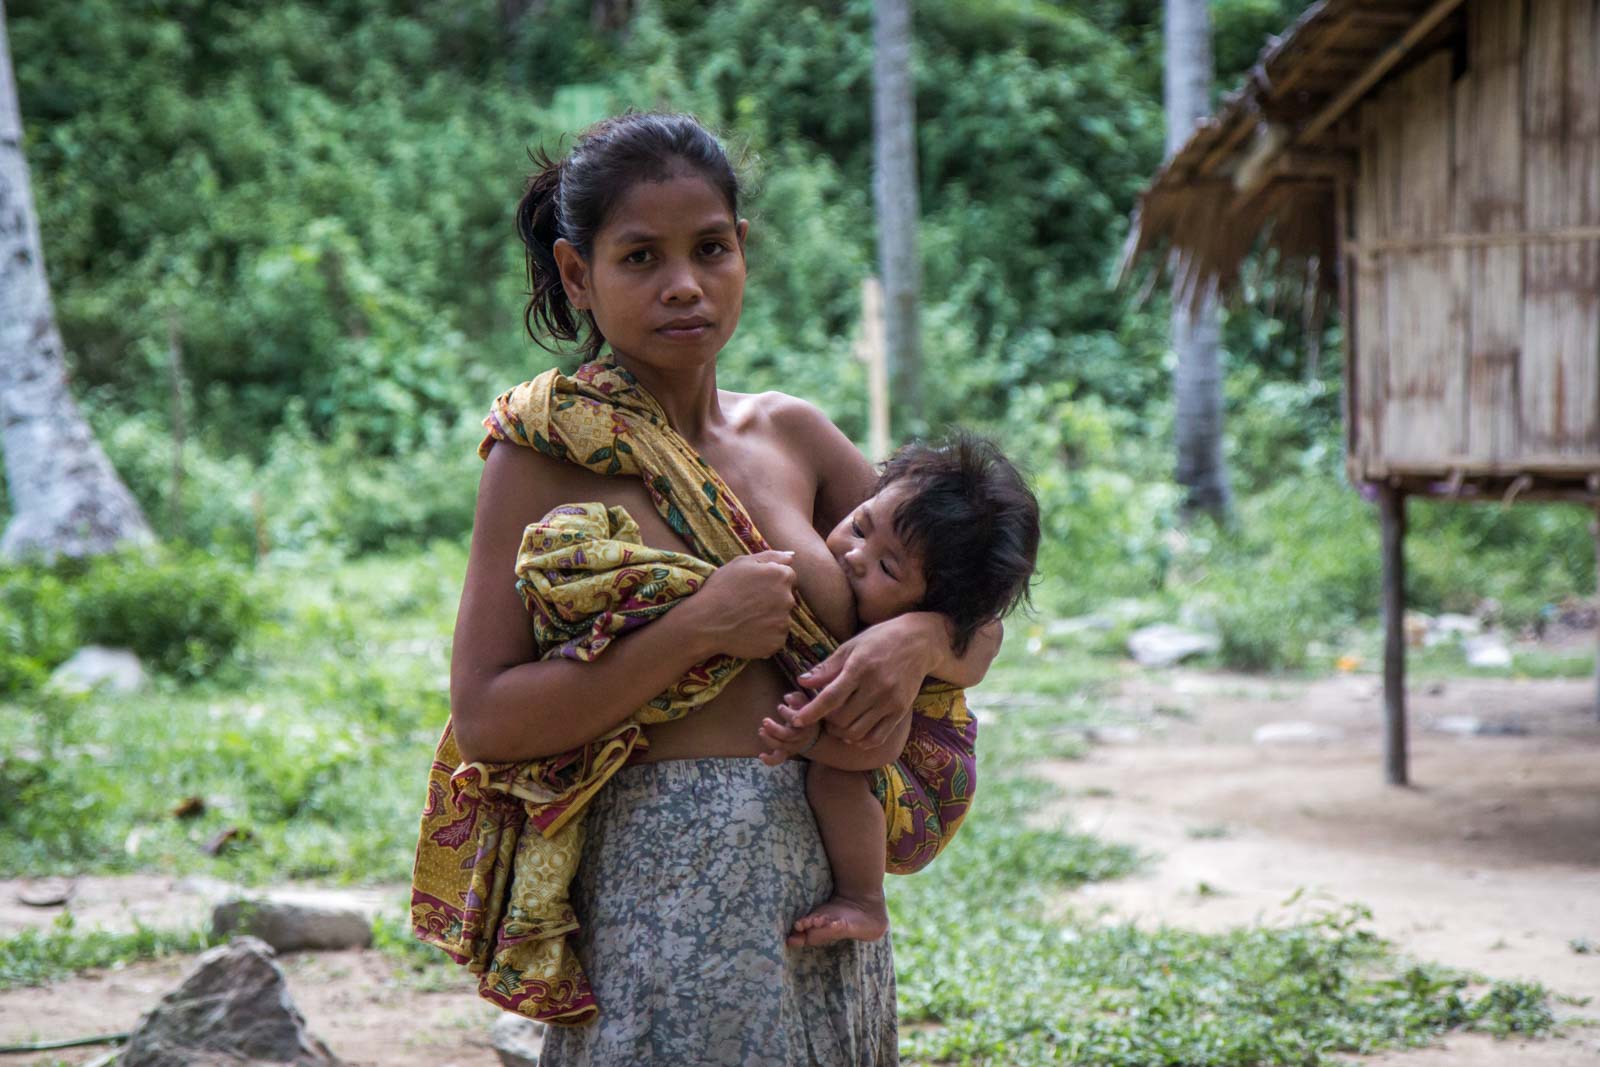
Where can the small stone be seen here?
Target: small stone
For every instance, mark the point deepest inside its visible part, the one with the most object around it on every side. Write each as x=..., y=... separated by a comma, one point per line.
x=1459, y=725
x=92, y=667
x=46, y=892
x=1077, y=625
x=291, y=922
x=1295, y=733
x=1112, y=735
x=233, y=1008
x=1162, y=644
x=1451, y=623
x=517, y=1040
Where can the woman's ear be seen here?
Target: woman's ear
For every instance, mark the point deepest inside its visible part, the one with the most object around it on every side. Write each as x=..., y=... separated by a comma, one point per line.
x=742, y=230
x=574, y=273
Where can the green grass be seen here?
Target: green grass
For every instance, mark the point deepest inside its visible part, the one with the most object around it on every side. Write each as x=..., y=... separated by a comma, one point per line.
x=989, y=972
x=315, y=747
x=37, y=957
x=317, y=740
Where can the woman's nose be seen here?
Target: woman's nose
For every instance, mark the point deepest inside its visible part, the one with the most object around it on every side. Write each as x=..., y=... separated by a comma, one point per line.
x=682, y=287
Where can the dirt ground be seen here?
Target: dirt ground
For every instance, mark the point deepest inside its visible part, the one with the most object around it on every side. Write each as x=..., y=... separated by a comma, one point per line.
x=1490, y=862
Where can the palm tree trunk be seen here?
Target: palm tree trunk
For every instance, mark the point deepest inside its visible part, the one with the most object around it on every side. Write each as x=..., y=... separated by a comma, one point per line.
x=894, y=189
x=1197, y=381
x=65, y=497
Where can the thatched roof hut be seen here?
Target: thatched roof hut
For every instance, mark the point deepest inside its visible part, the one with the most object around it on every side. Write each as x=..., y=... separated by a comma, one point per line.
x=1435, y=167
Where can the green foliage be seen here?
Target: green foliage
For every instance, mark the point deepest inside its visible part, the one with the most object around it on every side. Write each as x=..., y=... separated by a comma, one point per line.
x=312, y=750
x=181, y=611
x=37, y=626
x=38, y=957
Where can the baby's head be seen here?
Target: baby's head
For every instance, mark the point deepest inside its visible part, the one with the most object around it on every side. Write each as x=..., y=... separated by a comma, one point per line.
x=952, y=527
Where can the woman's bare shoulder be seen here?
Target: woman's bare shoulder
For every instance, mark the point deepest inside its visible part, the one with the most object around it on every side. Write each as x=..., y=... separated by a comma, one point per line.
x=843, y=475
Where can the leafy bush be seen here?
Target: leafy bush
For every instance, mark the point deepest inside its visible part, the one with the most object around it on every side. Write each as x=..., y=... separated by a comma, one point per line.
x=37, y=628
x=181, y=612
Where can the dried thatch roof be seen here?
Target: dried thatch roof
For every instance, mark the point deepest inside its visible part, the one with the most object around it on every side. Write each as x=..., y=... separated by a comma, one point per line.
x=1266, y=167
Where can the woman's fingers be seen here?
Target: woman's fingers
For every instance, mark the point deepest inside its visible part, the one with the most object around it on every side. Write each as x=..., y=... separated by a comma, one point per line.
x=826, y=704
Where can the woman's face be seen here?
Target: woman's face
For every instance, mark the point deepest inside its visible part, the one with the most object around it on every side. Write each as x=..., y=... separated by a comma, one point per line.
x=884, y=572
x=665, y=280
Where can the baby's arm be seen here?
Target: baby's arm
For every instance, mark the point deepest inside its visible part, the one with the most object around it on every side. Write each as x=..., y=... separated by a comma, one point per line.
x=816, y=743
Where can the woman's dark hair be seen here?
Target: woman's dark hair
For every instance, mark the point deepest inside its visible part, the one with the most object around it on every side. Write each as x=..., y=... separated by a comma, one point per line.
x=572, y=197
x=975, y=522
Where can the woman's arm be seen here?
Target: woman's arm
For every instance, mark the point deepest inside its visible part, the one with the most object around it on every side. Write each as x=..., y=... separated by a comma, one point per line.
x=508, y=705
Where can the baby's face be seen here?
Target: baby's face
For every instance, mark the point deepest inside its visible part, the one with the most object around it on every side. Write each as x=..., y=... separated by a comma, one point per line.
x=885, y=573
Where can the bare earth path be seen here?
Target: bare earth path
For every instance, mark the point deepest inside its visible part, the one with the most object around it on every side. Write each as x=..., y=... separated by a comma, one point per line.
x=1490, y=862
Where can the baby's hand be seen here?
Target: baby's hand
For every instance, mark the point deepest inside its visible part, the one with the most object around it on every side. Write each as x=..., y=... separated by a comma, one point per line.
x=784, y=740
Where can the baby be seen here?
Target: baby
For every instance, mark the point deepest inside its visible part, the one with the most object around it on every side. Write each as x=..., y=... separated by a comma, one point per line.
x=950, y=528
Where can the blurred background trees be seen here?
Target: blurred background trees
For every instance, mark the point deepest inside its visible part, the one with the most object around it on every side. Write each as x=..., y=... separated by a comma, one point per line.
x=315, y=200
x=65, y=496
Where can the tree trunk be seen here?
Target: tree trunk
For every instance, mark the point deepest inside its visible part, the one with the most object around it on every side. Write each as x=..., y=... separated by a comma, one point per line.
x=1197, y=381
x=65, y=497
x=894, y=190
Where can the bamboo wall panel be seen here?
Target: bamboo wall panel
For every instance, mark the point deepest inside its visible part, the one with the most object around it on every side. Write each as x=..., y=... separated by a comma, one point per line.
x=1560, y=387
x=1472, y=352
x=1371, y=341
x=1489, y=187
x=1422, y=419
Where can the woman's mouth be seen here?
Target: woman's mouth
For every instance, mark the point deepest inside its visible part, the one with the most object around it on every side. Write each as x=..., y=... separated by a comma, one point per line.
x=691, y=328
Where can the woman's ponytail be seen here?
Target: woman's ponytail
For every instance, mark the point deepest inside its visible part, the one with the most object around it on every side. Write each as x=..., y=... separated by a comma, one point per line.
x=549, y=313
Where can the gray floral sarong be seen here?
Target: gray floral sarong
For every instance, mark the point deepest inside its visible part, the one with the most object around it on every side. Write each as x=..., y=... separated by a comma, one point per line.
x=692, y=873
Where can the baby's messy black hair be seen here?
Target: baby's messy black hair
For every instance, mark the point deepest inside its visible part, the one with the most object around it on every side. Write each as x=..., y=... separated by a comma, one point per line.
x=572, y=197
x=975, y=522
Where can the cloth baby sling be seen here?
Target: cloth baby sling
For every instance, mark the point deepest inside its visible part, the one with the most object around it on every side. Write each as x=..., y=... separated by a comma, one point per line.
x=499, y=843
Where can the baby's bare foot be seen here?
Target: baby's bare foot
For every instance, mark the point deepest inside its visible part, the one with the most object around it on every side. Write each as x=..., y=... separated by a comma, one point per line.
x=839, y=919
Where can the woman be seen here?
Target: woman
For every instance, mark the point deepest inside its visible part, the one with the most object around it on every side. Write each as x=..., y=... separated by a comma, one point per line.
x=698, y=857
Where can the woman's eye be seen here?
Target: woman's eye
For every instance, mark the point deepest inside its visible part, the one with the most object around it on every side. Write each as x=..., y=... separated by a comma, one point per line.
x=637, y=256
x=713, y=248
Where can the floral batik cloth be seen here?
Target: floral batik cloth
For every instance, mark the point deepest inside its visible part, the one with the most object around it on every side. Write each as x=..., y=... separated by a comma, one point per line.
x=499, y=841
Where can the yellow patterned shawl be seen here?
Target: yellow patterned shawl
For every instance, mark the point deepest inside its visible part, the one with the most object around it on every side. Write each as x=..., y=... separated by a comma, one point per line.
x=499, y=843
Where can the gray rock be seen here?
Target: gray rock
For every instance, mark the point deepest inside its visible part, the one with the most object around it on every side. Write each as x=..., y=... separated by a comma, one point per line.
x=233, y=1008
x=1113, y=735
x=292, y=921
x=1487, y=651
x=1162, y=644
x=1077, y=625
x=517, y=1040
x=1295, y=733
x=1451, y=623
x=1459, y=725
x=92, y=667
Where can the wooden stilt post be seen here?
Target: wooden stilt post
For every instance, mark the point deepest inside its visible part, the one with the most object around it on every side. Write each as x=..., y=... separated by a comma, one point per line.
x=872, y=348
x=1392, y=509
x=1596, y=529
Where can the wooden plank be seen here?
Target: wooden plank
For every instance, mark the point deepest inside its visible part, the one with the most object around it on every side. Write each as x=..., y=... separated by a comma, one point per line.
x=1580, y=406
x=1423, y=419
x=1560, y=381
x=1371, y=344
x=1490, y=131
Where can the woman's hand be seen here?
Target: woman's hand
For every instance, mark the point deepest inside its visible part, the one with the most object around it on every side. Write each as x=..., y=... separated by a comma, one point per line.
x=743, y=609
x=866, y=688
x=782, y=738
